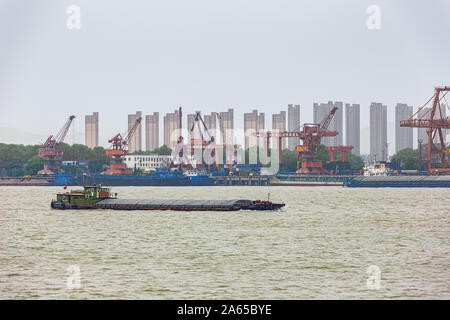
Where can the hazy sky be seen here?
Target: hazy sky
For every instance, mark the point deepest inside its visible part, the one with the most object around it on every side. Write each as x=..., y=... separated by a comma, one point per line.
x=209, y=55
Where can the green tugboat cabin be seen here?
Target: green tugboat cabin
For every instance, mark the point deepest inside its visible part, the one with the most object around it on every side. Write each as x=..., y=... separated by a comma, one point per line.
x=88, y=196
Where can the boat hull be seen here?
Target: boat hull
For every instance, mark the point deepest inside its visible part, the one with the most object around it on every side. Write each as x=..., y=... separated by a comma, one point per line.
x=175, y=205
x=144, y=181
x=399, y=182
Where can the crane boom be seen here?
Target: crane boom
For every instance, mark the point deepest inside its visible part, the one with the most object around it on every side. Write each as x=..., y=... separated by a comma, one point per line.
x=119, y=148
x=63, y=132
x=436, y=122
x=326, y=122
x=132, y=131
x=51, y=149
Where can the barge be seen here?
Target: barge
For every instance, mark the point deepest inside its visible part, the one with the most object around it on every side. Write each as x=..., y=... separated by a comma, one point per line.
x=308, y=180
x=98, y=197
x=398, y=182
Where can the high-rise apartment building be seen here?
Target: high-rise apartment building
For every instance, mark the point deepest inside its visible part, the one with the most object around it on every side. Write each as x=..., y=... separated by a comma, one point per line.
x=135, y=143
x=190, y=123
x=403, y=135
x=210, y=122
x=352, y=127
x=152, y=131
x=226, y=121
x=91, y=130
x=253, y=122
x=171, y=129
x=279, y=125
x=378, y=132
x=320, y=112
x=293, y=125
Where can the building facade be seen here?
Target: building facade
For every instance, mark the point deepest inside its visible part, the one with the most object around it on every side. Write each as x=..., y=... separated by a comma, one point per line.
x=195, y=133
x=403, y=135
x=91, y=130
x=211, y=123
x=171, y=129
x=152, y=131
x=353, y=127
x=226, y=121
x=147, y=162
x=135, y=143
x=279, y=125
x=293, y=125
x=253, y=122
x=320, y=112
x=378, y=132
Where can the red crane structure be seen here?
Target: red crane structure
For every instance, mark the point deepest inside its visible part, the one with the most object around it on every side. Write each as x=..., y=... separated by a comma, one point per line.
x=51, y=149
x=207, y=142
x=201, y=141
x=119, y=148
x=180, y=158
x=311, y=134
x=435, y=121
x=337, y=149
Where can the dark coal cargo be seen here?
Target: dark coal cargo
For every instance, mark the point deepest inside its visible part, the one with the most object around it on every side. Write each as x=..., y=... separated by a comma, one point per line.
x=98, y=197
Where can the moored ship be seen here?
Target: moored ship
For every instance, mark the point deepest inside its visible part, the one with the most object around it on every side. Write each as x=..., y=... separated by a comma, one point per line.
x=160, y=177
x=307, y=180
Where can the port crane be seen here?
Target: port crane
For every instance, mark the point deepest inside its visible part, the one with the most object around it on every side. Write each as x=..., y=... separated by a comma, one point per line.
x=231, y=155
x=119, y=149
x=179, y=160
x=201, y=141
x=434, y=120
x=51, y=149
x=311, y=134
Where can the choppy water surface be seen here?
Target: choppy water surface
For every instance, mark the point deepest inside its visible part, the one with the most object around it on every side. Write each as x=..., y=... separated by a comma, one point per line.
x=320, y=246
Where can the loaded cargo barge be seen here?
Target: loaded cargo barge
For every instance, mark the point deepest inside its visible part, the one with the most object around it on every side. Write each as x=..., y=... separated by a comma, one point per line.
x=98, y=197
x=308, y=180
x=398, y=182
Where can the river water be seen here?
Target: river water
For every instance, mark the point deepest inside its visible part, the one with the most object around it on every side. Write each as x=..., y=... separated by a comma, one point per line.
x=328, y=243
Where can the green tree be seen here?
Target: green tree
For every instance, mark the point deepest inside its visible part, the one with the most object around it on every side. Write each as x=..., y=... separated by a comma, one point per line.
x=25, y=159
x=405, y=159
x=33, y=165
x=164, y=150
x=322, y=154
x=289, y=160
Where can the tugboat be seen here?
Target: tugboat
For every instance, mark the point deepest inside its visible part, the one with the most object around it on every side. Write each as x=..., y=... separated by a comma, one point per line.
x=98, y=197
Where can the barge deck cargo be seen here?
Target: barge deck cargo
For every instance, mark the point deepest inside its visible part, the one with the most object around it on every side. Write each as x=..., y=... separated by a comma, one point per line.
x=97, y=197
x=398, y=182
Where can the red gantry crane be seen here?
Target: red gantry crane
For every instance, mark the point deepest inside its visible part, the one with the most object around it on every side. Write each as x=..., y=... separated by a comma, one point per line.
x=201, y=142
x=119, y=149
x=51, y=149
x=207, y=142
x=311, y=134
x=434, y=120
